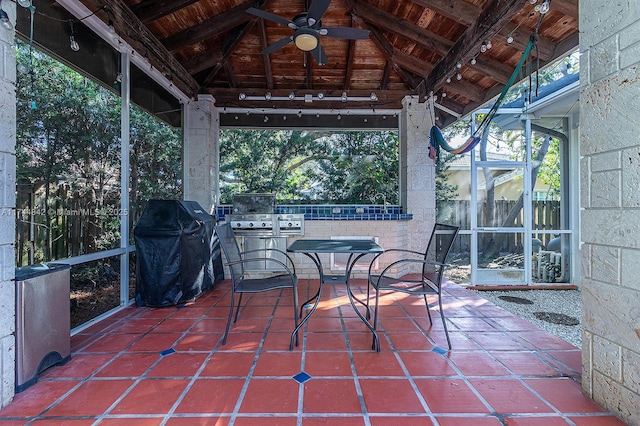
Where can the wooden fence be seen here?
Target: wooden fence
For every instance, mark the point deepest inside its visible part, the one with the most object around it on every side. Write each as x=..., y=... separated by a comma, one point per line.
x=545, y=214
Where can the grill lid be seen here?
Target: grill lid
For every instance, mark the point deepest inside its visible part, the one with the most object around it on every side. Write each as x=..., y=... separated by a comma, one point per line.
x=254, y=203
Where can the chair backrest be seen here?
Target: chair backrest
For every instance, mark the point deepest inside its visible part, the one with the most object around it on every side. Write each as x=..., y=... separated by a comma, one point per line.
x=440, y=243
x=230, y=249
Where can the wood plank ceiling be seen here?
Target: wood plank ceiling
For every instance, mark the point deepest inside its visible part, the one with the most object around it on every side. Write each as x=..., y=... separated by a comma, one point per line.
x=415, y=47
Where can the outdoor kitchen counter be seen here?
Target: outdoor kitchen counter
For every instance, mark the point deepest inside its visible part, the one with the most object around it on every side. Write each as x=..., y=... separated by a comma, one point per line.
x=336, y=212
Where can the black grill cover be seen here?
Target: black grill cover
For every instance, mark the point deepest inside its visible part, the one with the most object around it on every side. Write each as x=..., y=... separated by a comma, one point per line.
x=177, y=253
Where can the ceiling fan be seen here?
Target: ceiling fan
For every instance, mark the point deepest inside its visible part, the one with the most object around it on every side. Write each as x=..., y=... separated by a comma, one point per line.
x=308, y=29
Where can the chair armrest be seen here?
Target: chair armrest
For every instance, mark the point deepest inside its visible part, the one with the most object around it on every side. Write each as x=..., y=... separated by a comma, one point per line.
x=267, y=259
x=393, y=250
x=401, y=261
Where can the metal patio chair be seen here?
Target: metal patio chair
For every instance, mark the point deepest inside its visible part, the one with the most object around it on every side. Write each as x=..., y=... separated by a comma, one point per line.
x=283, y=277
x=427, y=282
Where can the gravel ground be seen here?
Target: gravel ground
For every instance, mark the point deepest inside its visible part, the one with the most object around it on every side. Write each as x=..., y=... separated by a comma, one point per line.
x=565, y=302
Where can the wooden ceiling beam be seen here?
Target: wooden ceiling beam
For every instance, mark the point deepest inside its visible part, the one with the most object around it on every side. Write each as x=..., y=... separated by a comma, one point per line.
x=521, y=39
x=494, y=69
x=465, y=89
x=219, y=24
x=348, y=74
x=266, y=59
x=152, y=10
x=386, y=75
x=386, y=49
x=230, y=48
x=489, y=23
x=566, y=7
x=128, y=27
x=457, y=10
x=389, y=22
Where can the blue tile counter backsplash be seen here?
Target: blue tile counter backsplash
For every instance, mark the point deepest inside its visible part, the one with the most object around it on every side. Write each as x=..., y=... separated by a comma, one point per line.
x=335, y=212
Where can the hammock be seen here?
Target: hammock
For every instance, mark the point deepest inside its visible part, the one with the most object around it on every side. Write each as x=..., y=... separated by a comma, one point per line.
x=437, y=141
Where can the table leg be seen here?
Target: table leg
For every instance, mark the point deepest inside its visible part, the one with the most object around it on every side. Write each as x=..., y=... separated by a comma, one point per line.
x=376, y=340
x=316, y=259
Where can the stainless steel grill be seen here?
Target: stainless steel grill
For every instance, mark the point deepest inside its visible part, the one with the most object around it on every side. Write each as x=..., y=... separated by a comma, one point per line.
x=253, y=215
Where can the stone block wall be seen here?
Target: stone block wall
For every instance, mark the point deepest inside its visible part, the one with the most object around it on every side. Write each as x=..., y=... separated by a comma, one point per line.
x=201, y=152
x=7, y=207
x=610, y=201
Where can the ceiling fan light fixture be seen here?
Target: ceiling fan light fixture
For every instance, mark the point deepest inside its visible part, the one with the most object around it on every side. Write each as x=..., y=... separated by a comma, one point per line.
x=306, y=41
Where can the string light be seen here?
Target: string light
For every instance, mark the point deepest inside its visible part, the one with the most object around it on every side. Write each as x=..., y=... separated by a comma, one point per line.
x=4, y=19
x=24, y=3
x=544, y=7
x=448, y=80
x=483, y=47
x=510, y=38
x=458, y=76
x=473, y=60
x=72, y=39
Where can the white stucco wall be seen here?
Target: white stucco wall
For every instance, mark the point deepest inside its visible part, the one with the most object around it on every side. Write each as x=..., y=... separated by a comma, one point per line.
x=610, y=201
x=7, y=207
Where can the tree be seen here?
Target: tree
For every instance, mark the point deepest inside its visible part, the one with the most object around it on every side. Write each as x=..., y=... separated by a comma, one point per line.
x=68, y=160
x=345, y=167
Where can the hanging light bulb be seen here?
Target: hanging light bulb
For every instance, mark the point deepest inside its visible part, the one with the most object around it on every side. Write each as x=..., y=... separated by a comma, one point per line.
x=544, y=7
x=510, y=38
x=483, y=47
x=24, y=3
x=266, y=118
x=444, y=94
x=267, y=96
x=73, y=44
x=339, y=117
x=489, y=45
x=473, y=60
x=343, y=97
x=533, y=1
x=458, y=76
x=4, y=19
x=458, y=65
x=242, y=96
x=448, y=79
x=72, y=39
x=292, y=96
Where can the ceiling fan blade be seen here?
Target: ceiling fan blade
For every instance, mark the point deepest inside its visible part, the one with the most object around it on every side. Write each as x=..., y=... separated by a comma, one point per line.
x=270, y=16
x=319, y=55
x=346, y=32
x=277, y=45
x=316, y=10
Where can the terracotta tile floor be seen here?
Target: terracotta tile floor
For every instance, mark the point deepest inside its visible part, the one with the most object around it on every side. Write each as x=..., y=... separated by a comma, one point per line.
x=145, y=366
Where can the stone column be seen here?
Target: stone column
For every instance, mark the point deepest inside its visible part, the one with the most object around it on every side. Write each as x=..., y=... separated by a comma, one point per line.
x=201, y=152
x=7, y=207
x=610, y=201
x=417, y=171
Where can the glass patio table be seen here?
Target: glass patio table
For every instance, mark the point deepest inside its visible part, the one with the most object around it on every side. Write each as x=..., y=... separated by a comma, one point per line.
x=312, y=249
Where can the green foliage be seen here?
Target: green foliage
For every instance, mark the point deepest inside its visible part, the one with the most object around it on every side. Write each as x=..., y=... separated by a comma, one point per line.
x=348, y=167
x=68, y=161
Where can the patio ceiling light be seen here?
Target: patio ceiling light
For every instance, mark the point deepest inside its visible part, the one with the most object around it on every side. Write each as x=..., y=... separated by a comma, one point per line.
x=306, y=40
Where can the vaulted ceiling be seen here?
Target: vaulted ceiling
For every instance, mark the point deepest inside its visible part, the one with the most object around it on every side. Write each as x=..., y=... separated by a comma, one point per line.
x=413, y=47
